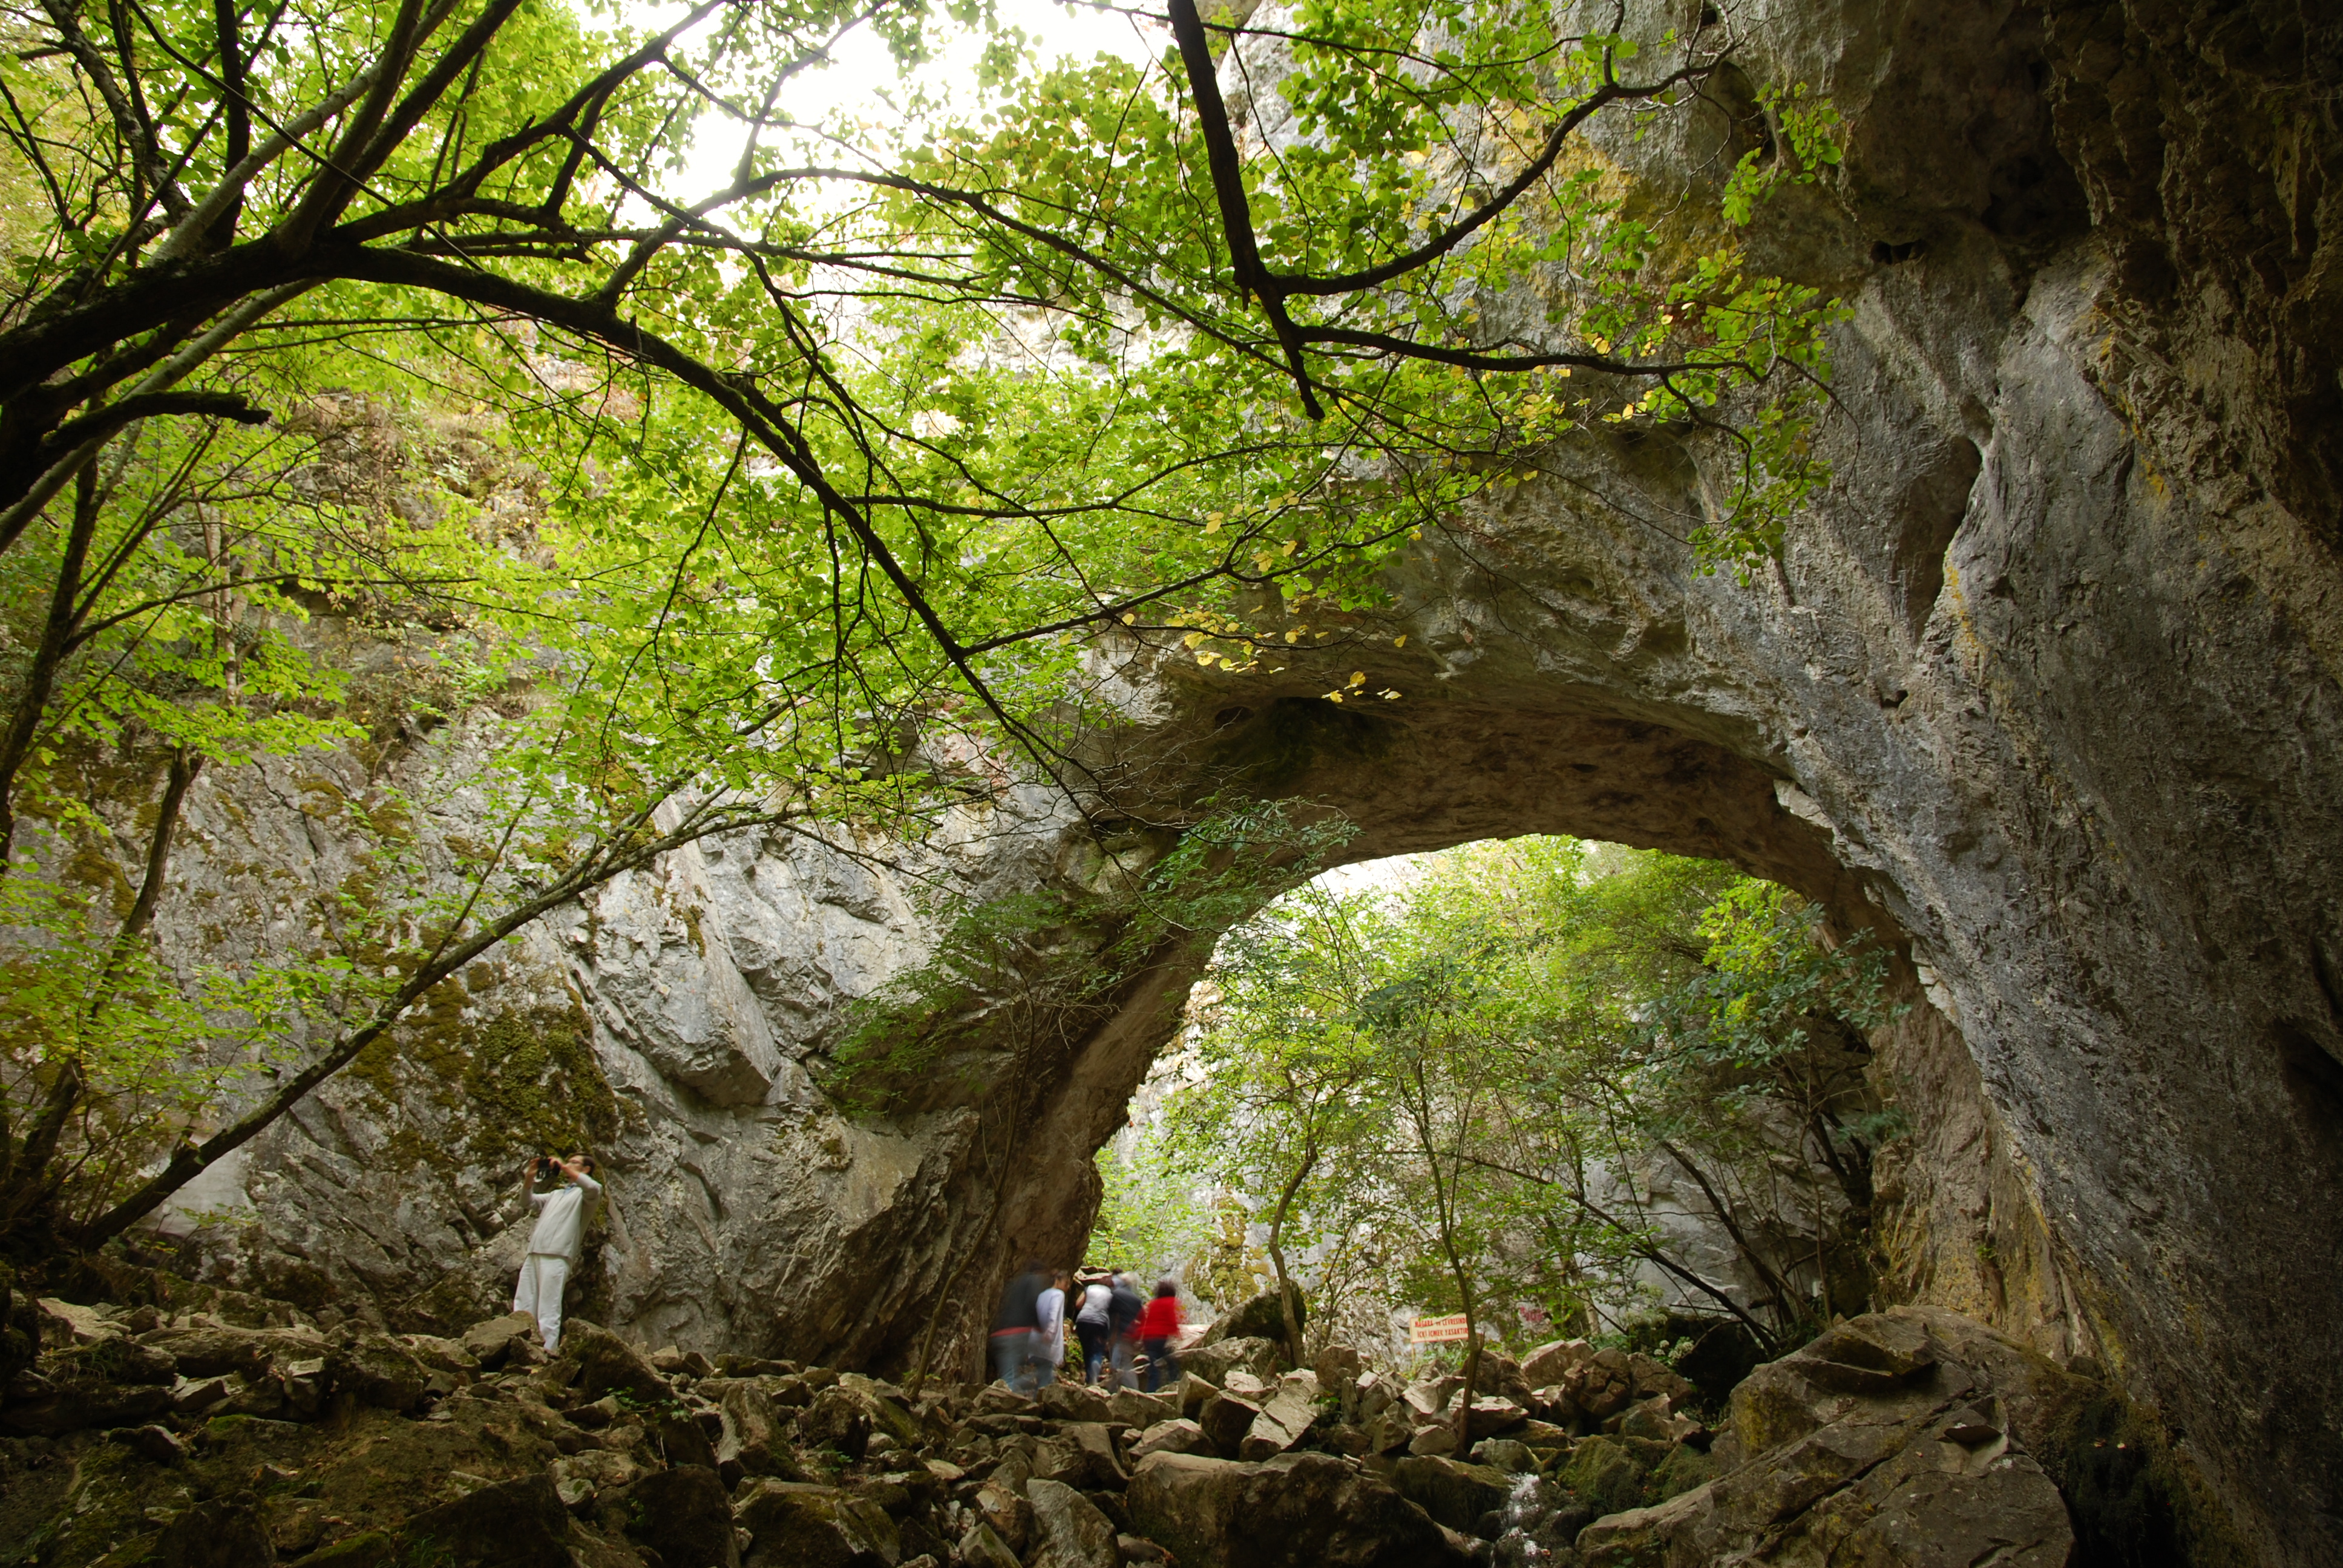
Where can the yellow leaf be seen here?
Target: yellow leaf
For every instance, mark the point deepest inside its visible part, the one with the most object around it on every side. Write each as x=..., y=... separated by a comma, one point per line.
x=1358, y=677
x=1400, y=642
x=1205, y=656
x=1192, y=639
x=1333, y=697
x=1130, y=618
x=1289, y=547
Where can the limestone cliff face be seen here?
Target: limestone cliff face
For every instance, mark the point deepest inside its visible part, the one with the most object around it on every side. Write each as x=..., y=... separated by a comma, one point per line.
x=2045, y=686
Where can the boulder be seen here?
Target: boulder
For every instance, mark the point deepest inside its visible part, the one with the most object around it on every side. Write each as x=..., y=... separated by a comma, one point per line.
x=1454, y=1494
x=1601, y=1386
x=1654, y=1419
x=1215, y=1361
x=51, y=1409
x=1245, y=1384
x=1549, y=1364
x=1261, y=1317
x=1132, y=1408
x=1226, y=1419
x=1369, y=1395
x=488, y=1342
x=1431, y=1399
x=1065, y=1401
x=1086, y=1459
x=1283, y=1422
x=1338, y=1366
x=1069, y=1531
x=224, y=1533
x=1007, y=1513
x=1604, y=1474
x=1870, y=1447
x=1492, y=1416
x=1653, y=1378
x=1685, y=1468
x=218, y=1350
x=441, y=1355
x=888, y=1411
x=1171, y=1437
x=752, y=1440
x=793, y=1525
x=837, y=1419
x=605, y=1364
x=64, y=1323
x=680, y=1439
x=981, y=1547
x=1507, y=1454
x=685, y=1516
x=1499, y=1375
x=1296, y=1511
x=380, y=1371
x=1437, y=1440
x=512, y=1525
x=114, y=1360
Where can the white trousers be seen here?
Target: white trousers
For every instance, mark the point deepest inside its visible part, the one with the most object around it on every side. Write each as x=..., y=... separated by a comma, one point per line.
x=543, y=1278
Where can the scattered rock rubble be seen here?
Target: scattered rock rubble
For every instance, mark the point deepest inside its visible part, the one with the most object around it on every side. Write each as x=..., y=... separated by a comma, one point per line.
x=196, y=1438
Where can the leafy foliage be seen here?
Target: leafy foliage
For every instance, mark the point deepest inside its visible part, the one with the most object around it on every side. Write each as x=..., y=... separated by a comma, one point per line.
x=1473, y=1094
x=385, y=328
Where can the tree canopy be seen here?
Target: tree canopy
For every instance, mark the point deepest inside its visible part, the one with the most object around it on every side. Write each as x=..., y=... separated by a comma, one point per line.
x=731, y=502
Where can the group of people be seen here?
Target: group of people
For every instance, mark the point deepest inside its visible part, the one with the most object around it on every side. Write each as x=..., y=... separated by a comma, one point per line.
x=1110, y=1318
x=1029, y=1332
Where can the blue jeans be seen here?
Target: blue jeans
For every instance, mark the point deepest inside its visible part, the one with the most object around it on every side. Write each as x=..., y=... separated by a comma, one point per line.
x=1093, y=1337
x=1012, y=1357
x=1118, y=1360
x=1047, y=1351
x=1163, y=1366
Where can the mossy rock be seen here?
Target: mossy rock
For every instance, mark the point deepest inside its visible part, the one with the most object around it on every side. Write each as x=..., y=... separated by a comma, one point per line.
x=514, y=1524
x=1608, y=1478
x=1261, y=1317
x=365, y=1551
x=1680, y=1471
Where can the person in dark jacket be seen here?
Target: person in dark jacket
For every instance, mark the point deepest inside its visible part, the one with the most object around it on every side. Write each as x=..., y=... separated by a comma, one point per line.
x=1122, y=1310
x=1016, y=1326
x=1159, y=1335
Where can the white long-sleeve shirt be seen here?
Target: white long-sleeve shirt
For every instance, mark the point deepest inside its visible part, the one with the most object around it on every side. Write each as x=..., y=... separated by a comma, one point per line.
x=1051, y=1311
x=561, y=1218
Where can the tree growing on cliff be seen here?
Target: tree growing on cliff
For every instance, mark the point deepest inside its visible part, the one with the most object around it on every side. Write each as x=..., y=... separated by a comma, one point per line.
x=856, y=445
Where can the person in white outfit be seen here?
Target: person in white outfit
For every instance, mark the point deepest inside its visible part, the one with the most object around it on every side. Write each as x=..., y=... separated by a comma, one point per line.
x=558, y=1241
x=1050, y=1338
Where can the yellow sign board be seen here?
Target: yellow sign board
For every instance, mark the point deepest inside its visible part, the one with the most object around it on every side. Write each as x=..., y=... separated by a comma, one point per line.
x=1436, y=1330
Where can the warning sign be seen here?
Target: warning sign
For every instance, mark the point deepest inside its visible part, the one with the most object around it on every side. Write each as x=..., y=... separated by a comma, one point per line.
x=1436, y=1330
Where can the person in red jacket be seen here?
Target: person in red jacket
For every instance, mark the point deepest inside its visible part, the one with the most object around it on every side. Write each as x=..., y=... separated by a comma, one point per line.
x=1159, y=1335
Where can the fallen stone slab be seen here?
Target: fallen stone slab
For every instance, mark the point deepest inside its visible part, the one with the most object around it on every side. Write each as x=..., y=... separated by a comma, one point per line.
x=1296, y=1511
x=1069, y=1531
